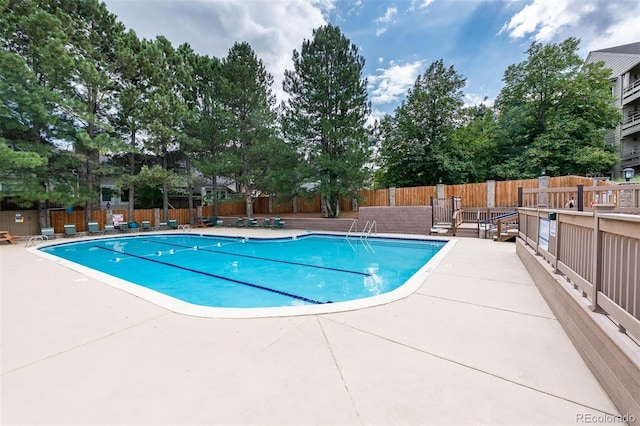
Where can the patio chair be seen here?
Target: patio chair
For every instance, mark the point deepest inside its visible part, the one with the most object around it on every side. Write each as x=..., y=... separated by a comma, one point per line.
x=163, y=226
x=266, y=223
x=146, y=225
x=252, y=223
x=48, y=232
x=70, y=231
x=278, y=223
x=211, y=221
x=239, y=223
x=173, y=224
x=124, y=227
x=93, y=228
x=109, y=229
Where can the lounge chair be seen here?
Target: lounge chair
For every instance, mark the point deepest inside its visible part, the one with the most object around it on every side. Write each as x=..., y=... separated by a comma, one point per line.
x=173, y=224
x=93, y=228
x=266, y=223
x=48, y=232
x=219, y=223
x=212, y=221
x=239, y=223
x=6, y=236
x=278, y=223
x=70, y=230
x=109, y=229
x=124, y=227
x=252, y=223
x=146, y=225
x=163, y=226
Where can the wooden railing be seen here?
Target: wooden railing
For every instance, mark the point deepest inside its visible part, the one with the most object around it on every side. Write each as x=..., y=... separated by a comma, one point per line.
x=447, y=213
x=624, y=197
x=479, y=214
x=598, y=252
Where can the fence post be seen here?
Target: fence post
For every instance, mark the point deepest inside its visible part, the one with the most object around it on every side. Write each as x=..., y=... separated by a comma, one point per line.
x=491, y=193
x=596, y=260
x=453, y=211
x=580, y=200
x=392, y=196
x=520, y=196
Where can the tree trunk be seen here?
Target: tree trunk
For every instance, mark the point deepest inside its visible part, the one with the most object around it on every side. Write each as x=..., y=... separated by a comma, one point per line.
x=132, y=173
x=165, y=189
x=190, y=194
x=216, y=208
x=249, y=203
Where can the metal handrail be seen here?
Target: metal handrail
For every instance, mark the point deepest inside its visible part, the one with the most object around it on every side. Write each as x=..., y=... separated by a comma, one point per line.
x=366, y=232
x=351, y=228
x=35, y=239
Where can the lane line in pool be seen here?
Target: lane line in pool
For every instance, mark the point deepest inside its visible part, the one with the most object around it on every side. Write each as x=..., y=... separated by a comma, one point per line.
x=264, y=258
x=258, y=286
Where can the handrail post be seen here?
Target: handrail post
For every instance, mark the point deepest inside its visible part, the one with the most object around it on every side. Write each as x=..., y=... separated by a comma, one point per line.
x=580, y=200
x=596, y=259
x=520, y=196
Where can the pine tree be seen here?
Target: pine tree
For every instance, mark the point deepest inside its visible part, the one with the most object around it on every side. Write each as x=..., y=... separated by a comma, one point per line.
x=248, y=101
x=326, y=115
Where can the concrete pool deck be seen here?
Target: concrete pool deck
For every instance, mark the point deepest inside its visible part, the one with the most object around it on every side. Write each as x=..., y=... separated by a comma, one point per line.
x=475, y=344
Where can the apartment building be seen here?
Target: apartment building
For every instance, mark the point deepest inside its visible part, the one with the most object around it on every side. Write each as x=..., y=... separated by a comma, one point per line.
x=624, y=61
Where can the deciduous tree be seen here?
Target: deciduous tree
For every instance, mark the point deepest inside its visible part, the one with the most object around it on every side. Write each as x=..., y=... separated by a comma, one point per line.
x=553, y=113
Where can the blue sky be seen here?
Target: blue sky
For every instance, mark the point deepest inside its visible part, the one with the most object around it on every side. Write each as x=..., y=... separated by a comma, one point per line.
x=398, y=39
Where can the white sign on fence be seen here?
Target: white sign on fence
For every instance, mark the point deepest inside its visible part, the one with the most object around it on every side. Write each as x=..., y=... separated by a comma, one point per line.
x=543, y=234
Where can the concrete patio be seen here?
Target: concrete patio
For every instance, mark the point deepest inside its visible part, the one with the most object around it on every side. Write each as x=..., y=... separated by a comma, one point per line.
x=475, y=344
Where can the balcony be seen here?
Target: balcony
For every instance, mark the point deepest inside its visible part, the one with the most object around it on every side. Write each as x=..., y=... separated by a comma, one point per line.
x=632, y=124
x=631, y=92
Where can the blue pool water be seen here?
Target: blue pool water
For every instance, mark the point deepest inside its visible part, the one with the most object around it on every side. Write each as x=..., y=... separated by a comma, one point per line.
x=248, y=273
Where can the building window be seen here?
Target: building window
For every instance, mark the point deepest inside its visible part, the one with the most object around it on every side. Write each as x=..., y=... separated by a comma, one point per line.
x=124, y=197
x=107, y=194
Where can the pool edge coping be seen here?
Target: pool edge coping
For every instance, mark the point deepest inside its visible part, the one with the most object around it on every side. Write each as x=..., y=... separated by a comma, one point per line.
x=181, y=307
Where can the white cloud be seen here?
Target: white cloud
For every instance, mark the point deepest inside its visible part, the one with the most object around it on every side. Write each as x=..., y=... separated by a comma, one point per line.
x=420, y=4
x=473, y=99
x=273, y=29
x=600, y=22
x=543, y=18
x=390, y=85
x=386, y=19
x=388, y=16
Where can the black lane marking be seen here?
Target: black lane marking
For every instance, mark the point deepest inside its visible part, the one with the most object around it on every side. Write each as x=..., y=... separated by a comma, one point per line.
x=263, y=258
x=273, y=290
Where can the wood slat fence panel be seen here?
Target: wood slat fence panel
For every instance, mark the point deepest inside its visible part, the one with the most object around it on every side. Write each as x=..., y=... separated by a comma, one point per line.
x=374, y=197
x=415, y=196
x=472, y=194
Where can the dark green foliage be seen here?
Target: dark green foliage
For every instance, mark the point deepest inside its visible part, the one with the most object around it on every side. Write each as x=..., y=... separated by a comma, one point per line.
x=250, y=127
x=325, y=116
x=417, y=143
x=553, y=114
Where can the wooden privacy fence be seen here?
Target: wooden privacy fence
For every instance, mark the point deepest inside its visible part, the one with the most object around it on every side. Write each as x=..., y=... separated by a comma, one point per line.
x=599, y=253
x=490, y=198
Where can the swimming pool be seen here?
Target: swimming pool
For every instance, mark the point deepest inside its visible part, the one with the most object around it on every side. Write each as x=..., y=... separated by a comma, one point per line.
x=209, y=275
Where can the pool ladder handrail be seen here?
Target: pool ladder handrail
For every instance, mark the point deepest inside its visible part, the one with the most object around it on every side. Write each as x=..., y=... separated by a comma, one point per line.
x=353, y=228
x=35, y=239
x=368, y=228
